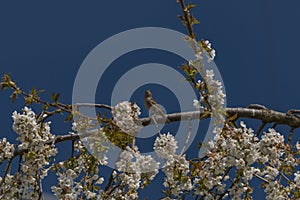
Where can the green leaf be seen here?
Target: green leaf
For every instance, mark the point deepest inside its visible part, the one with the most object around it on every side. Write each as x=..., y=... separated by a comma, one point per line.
x=55, y=97
x=46, y=106
x=6, y=82
x=193, y=20
x=190, y=6
x=4, y=85
x=233, y=117
x=35, y=92
x=13, y=97
x=69, y=118
x=28, y=100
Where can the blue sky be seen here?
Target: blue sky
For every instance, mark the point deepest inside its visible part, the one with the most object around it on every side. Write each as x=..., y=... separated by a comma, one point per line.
x=42, y=44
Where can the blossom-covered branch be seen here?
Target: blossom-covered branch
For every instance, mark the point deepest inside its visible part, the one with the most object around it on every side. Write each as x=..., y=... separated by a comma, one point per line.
x=264, y=115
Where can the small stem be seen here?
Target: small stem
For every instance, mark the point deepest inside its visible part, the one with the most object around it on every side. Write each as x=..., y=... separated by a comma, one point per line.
x=19, y=164
x=274, y=125
x=6, y=172
x=261, y=178
x=260, y=129
x=93, y=105
x=40, y=188
x=290, y=135
x=109, y=181
x=72, y=153
x=187, y=138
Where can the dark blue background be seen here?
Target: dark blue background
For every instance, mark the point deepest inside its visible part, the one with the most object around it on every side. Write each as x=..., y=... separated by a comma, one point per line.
x=43, y=44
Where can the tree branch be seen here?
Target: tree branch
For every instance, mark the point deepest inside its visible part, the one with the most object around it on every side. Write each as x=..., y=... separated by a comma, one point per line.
x=93, y=105
x=265, y=115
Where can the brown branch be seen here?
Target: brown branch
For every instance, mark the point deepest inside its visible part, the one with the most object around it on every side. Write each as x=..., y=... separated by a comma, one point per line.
x=93, y=105
x=265, y=115
x=61, y=106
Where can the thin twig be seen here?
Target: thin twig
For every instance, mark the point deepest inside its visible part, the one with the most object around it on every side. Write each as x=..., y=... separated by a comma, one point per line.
x=6, y=172
x=187, y=138
x=19, y=164
x=93, y=105
x=261, y=178
x=40, y=188
x=290, y=135
x=263, y=124
x=110, y=180
x=274, y=125
x=72, y=153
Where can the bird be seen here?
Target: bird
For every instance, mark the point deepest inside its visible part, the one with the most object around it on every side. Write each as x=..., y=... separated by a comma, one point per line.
x=153, y=107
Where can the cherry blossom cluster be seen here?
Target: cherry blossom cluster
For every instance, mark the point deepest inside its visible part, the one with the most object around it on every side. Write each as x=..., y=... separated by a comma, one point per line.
x=212, y=96
x=216, y=97
x=6, y=149
x=207, y=46
x=177, y=179
x=36, y=139
x=176, y=167
x=93, y=138
x=78, y=177
x=232, y=151
x=125, y=114
x=238, y=150
x=204, y=47
x=165, y=145
x=81, y=125
x=135, y=171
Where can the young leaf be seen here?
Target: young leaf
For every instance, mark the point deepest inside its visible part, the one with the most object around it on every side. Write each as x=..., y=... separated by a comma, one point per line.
x=190, y=6
x=69, y=118
x=55, y=97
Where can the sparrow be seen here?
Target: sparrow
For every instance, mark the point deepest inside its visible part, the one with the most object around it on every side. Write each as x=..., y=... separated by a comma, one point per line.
x=153, y=107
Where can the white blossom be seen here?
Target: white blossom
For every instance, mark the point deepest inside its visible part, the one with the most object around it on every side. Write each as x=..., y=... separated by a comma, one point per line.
x=125, y=114
x=165, y=145
x=36, y=139
x=6, y=149
x=297, y=178
x=177, y=178
x=136, y=170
